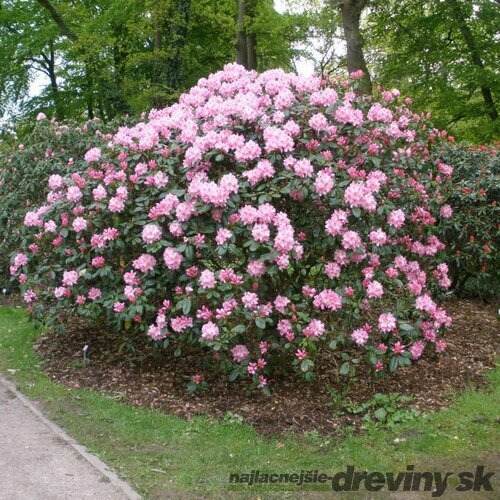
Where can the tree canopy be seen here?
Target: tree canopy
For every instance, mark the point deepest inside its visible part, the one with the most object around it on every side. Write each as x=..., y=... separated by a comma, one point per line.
x=109, y=58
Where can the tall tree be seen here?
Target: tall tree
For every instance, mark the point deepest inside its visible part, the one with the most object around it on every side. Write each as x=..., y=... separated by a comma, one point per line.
x=351, y=18
x=246, y=40
x=110, y=57
x=178, y=39
x=445, y=55
x=474, y=55
x=28, y=49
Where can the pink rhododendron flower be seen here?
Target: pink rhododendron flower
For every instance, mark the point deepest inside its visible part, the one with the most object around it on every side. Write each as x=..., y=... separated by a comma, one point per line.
x=303, y=168
x=181, y=323
x=378, y=237
x=396, y=218
x=29, y=296
x=398, y=348
x=93, y=154
x=256, y=268
x=119, y=307
x=151, y=233
x=425, y=303
x=56, y=182
x=416, y=349
x=240, y=352
x=374, y=290
x=79, y=224
x=116, y=205
x=328, y=299
x=223, y=235
x=360, y=336
x=261, y=233
x=60, y=292
x=315, y=328
x=70, y=278
x=74, y=194
x=446, y=211
x=441, y=346
x=351, y=240
x=172, y=258
x=210, y=331
x=324, y=183
x=386, y=322
x=207, y=279
x=144, y=263
x=50, y=226
x=280, y=303
x=250, y=300
x=335, y=224
x=318, y=122
x=94, y=293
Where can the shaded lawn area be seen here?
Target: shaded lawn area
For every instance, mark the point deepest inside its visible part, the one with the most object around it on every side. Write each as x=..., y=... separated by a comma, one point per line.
x=165, y=456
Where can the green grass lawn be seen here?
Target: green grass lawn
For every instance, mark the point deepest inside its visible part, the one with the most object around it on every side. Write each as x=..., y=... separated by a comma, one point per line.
x=160, y=454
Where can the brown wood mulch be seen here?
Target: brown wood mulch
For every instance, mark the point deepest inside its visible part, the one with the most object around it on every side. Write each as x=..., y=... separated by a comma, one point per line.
x=159, y=380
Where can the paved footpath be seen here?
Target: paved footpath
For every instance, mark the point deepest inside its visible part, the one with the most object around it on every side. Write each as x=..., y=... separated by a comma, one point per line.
x=39, y=461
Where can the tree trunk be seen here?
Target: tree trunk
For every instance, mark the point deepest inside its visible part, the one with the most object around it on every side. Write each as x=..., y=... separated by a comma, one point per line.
x=159, y=29
x=351, y=16
x=241, y=40
x=57, y=18
x=475, y=56
x=89, y=92
x=251, y=51
x=54, y=89
x=251, y=37
x=91, y=84
x=246, y=41
x=175, y=62
x=120, y=104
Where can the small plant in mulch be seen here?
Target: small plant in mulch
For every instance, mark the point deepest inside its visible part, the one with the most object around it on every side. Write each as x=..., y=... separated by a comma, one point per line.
x=384, y=410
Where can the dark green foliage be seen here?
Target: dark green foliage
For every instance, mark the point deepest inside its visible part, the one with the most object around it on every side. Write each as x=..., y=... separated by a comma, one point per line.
x=472, y=234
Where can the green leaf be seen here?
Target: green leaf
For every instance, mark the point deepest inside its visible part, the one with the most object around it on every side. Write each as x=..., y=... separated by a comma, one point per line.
x=393, y=365
x=306, y=364
x=189, y=253
x=261, y=323
x=344, y=369
x=380, y=414
x=239, y=329
x=186, y=306
x=406, y=327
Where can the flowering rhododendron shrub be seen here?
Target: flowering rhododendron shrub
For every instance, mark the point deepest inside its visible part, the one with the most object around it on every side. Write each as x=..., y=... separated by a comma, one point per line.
x=264, y=217
x=51, y=148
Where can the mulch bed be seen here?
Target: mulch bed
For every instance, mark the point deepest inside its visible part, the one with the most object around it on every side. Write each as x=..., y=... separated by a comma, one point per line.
x=159, y=380
x=11, y=300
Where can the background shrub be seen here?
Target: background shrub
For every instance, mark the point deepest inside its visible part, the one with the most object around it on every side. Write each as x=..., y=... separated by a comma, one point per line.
x=264, y=218
x=472, y=235
x=50, y=148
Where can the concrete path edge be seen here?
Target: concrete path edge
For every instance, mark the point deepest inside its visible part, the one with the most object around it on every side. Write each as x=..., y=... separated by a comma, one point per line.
x=95, y=462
